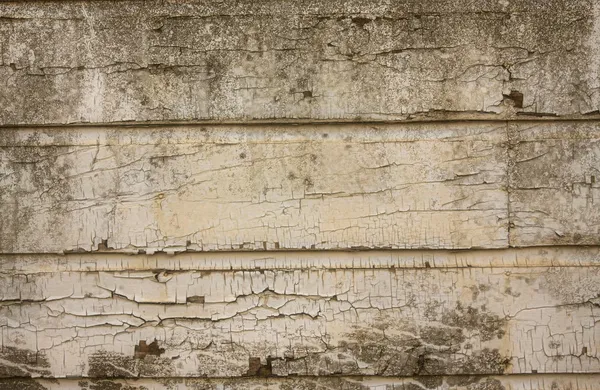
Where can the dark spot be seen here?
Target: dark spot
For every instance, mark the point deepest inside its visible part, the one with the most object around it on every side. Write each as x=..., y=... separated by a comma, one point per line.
x=143, y=349
x=195, y=299
x=76, y=250
x=291, y=176
x=160, y=274
x=308, y=182
x=516, y=97
x=361, y=21
x=242, y=155
x=307, y=94
x=584, y=350
x=158, y=161
x=256, y=368
x=103, y=245
x=427, y=265
x=421, y=364
x=509, y=291
x=554, y=344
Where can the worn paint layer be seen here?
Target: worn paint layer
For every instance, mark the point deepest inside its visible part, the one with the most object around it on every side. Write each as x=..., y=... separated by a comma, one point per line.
x=230, y=188
x=300, y=195
x=554, y=184
x=387, y=322
x=199, y=188
x=244, y=60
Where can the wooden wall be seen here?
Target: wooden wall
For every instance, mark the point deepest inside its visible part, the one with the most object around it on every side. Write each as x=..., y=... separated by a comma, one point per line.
x=300, y=195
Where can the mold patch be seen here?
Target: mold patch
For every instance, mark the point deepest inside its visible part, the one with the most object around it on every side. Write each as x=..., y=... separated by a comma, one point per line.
x=17, y=362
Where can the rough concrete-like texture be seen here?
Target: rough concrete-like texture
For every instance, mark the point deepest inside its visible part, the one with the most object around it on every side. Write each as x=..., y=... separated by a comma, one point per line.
x=515, y=382
x=236, y=195
x=110, y=61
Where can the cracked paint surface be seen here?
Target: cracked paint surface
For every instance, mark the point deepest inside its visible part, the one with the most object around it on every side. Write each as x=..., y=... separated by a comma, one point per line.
x=386, y=322
x=400, y=186
x=184, y=60
x=235, y=188
x=354, y=195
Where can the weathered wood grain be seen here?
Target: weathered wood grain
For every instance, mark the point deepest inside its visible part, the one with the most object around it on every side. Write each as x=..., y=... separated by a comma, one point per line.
x=513, y=382
x=231, y=188
x=555, y=184
x=384, y=322
x=80, y=61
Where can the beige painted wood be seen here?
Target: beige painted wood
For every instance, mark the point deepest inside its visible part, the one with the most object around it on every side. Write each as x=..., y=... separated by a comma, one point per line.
x=231, y=188
x=555, y=184
x=80, y=61
x=384, y=322
x=403, y=186
x=300, y=195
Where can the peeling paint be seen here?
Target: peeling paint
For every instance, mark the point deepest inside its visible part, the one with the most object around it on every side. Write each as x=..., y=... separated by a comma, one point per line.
x=390, y=322
x=295, y=59
x=354, y=195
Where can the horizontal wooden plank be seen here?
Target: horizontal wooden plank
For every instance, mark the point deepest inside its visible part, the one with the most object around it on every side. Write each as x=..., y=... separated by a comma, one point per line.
x=386, y=322
x=555, y=256
x=512, y=382
x=232, y=188
x=397, y=186
x=103, y=61
x=555, y=184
